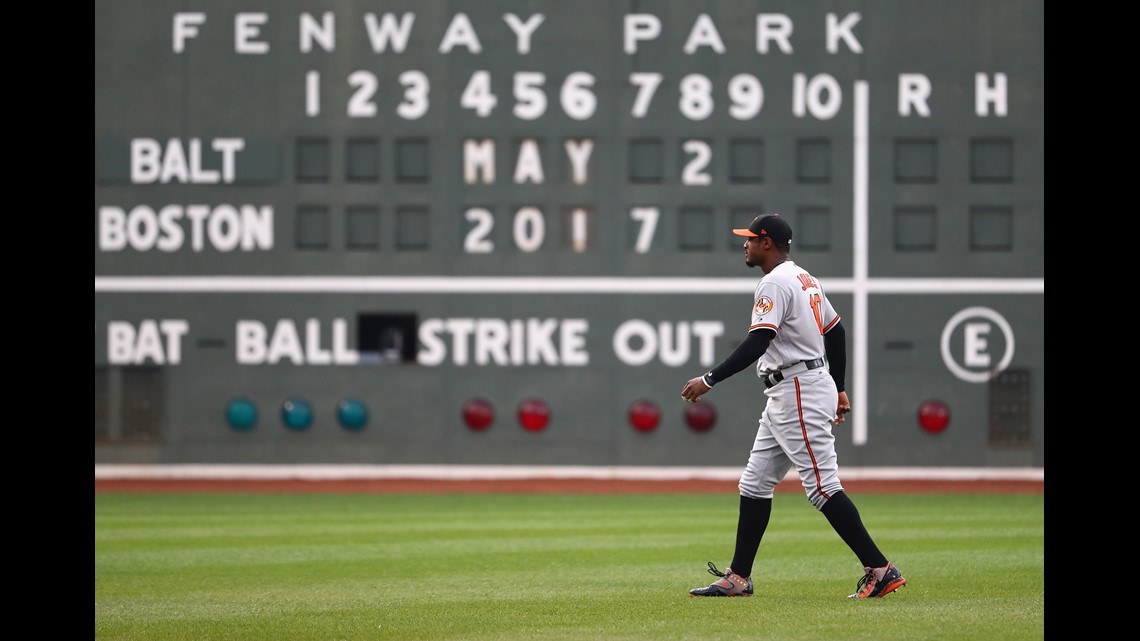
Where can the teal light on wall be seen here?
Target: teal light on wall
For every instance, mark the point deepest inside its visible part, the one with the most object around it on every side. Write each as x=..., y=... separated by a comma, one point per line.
x=297, y=414
x=352, y=414
x=241, y=414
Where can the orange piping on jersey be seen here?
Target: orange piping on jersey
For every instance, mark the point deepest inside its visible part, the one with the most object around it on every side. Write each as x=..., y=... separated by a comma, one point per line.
x=832, y=324
x=807, y=443
x=764, y=326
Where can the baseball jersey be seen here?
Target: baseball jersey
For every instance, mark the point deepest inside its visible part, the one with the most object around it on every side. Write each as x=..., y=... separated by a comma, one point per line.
x=791, y=302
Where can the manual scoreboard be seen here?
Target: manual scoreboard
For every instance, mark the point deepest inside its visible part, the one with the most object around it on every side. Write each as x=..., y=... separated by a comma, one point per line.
x=498, y=232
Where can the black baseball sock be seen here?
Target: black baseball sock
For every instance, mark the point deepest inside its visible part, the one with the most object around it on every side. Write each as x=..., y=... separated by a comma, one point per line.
x=844, y=518
x=754, y=514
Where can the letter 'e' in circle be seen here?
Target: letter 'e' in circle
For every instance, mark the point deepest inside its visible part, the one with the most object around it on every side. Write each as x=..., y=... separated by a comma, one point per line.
x=976, y=376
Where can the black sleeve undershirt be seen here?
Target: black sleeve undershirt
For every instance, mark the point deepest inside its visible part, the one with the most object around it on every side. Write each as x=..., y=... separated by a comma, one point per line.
x=756, y=343
x=835, y=347
x=747, y=352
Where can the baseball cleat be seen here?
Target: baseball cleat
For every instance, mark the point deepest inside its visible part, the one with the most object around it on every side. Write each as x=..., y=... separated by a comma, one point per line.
x=730, y=584
x=871, y=588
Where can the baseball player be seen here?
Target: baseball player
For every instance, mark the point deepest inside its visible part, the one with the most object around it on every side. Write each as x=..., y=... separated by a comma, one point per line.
x=799, y=345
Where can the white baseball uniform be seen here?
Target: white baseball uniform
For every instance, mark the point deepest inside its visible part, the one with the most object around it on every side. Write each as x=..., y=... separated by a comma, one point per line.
x=795, y=428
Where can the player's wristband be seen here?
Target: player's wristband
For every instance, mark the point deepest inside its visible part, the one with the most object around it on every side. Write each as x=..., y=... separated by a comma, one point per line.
x=707, y=378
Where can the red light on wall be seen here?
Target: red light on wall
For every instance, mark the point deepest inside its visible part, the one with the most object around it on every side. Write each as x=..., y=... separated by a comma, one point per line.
x=534, y=415
x=478, y=414
x=700, y=416
x=644, y=416
x=933, y=416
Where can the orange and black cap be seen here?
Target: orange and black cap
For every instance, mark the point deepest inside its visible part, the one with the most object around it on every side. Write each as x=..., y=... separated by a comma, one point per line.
x=771, y=226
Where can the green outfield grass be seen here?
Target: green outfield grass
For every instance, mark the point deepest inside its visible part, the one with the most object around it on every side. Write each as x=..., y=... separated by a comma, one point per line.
x=333, y=567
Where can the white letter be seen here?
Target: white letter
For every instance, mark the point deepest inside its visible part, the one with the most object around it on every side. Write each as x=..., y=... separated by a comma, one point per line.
x=197, y=173
x=120, y=343
x=706, y=333
x=197, y=215
x=523, y=30
x=145, y=160
x=250, y=342
x=170, y=234
x=460, y=329
x=976, y=344
x=323, y=33
x=704, y=33
x=223, y=228
x=174, y=163
x=460, y=32
x=579, y=152
x=540, y=342
x=314, y=355
x=674, y=353
x=285, y=343
x=574, y=342
x=112, y=228
x=478, y=157
x=640, y=26
x=773, y=27
x=342, y=354
x=149, y=344
x=491, y=341
x=174, y=330
x=518, y=342
x=995, y=95
x=914, y=89
x=842, y=30
x=257, y=227
x=142, y=228
x=529, y=165
x=630, y=330
x=246, y=27
x=228, y=148
x=388, y=30
x=186, y=26
x=433, y=350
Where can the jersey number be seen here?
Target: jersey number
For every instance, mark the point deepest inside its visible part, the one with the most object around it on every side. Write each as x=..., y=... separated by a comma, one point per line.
x=814, y=300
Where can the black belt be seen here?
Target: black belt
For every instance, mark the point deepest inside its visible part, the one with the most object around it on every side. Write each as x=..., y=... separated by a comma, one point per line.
x=776, y=377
